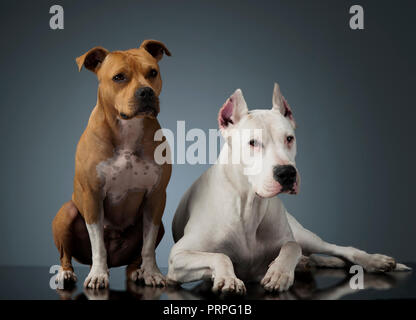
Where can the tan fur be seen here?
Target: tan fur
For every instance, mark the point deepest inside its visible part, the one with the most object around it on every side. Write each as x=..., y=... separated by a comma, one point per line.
x=99, y=142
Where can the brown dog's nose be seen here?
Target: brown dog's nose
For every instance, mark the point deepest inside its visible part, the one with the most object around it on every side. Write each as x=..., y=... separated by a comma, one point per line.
x=144, y=93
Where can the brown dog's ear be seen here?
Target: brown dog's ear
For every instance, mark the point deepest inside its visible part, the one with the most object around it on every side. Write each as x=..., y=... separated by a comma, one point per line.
x=155, y=48
x=92, y=59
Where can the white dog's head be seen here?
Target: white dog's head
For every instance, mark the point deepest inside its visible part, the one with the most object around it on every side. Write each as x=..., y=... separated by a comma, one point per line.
x=264, y=143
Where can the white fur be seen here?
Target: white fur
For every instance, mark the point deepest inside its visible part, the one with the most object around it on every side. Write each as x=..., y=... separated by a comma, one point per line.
x=223, y=230
x=98, y=276
x=128, y=170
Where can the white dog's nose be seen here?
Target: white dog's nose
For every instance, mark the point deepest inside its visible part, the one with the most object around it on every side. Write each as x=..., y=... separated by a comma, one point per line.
x=285, y=175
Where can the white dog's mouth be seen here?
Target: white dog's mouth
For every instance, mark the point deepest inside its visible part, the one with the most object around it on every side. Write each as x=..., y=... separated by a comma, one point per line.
x=269, y=191
x=258, y=195
x=276, y=189
x=290, y=190
x=294, y=189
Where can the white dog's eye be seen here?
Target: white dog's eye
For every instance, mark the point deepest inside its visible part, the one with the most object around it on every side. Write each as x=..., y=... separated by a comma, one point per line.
x=289, y=139
x=254, y=143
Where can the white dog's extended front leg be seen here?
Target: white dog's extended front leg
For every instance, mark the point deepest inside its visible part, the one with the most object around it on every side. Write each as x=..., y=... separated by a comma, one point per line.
x=98, y=276
x=188, y=265
x=311, y=243
x=281, y=272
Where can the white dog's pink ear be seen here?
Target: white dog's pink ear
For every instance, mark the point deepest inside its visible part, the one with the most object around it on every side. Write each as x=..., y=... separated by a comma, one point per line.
x=233, y=110
x=280, y=104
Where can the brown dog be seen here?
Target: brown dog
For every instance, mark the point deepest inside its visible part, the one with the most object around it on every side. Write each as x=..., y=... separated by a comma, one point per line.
x=114, y=217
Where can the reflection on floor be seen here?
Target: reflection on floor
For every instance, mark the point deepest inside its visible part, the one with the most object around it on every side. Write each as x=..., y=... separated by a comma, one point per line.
x=35, y=283
x=326, y=284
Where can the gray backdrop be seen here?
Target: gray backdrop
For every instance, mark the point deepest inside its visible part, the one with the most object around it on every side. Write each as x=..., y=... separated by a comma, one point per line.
x=352, y=93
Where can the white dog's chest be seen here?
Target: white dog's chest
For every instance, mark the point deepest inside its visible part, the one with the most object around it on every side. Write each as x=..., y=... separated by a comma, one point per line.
x=251, y=250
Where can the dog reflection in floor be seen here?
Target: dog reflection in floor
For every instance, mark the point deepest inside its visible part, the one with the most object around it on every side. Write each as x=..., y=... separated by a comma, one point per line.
x=134, y=291
x=308, y=285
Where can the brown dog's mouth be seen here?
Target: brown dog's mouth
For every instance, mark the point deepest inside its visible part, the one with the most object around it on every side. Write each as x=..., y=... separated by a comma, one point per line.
x=148, y=112
x=124, y=116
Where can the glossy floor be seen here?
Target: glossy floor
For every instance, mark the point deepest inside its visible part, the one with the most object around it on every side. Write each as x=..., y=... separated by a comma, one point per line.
x=34, y=283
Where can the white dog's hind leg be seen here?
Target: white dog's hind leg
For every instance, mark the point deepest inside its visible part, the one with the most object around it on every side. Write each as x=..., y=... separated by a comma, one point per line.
x=311, y=243
x=187, y=266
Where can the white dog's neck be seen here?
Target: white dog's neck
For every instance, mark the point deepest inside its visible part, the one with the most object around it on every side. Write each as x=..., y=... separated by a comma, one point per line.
x=233, y=175
x=234, y=172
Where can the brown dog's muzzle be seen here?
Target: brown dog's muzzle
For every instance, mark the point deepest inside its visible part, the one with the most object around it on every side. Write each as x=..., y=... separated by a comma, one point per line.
x=144, y=103
x=147, y=101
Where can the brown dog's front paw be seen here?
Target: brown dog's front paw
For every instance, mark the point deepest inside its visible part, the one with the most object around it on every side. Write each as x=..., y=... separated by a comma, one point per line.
x=133, y=274
x=152, y=277
x=97, y=279
x=65, y=277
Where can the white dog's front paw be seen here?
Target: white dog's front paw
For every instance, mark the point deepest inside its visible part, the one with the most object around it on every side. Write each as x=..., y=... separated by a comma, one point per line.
x=375, y=262
x=277, y=279
x=150, y=276
x=97, y=278
x=228, y=284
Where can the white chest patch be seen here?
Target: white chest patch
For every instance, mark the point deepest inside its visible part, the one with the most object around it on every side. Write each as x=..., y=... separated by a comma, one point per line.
x=128, y=171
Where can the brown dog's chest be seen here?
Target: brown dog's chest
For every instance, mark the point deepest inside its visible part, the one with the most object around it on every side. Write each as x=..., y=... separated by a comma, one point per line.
x=127, y=177
x=126, y=172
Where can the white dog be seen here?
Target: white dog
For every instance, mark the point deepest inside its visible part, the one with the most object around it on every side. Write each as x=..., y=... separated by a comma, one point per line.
x=230, y=225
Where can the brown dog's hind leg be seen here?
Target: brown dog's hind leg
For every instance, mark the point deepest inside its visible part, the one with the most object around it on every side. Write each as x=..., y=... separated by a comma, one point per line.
x=62, y=229
x=132, y=269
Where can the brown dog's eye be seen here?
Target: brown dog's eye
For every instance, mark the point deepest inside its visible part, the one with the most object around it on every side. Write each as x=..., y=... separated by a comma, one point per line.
x=119, y=77
x=289, y=139
x=153, y=73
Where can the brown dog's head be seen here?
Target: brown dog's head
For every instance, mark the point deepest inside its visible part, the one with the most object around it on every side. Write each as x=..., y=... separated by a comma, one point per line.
x=129, y=81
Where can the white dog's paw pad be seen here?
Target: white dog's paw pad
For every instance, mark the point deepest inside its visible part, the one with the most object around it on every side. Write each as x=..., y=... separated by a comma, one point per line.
x=97, y=279
x=228, y=285
x=376, y=262
x=277, y=281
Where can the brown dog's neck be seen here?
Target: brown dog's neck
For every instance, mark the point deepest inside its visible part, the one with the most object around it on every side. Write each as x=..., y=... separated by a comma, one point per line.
x=123, y=133
x=108, y=115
